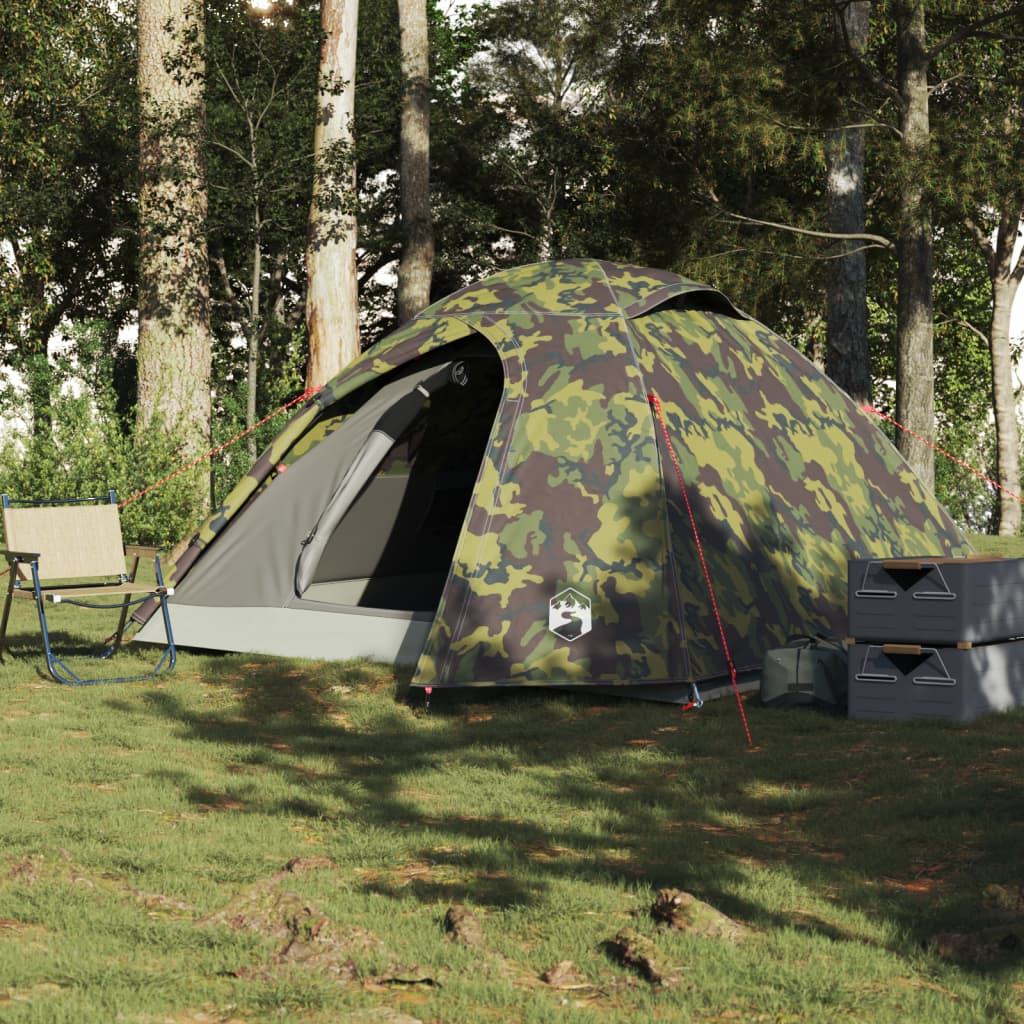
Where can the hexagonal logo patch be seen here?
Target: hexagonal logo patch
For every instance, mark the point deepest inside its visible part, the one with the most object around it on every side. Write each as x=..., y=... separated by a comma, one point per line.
x=569, y=615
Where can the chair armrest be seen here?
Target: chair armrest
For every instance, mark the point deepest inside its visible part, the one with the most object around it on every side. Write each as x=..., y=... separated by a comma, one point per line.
x=141, y=551
x=19, y=556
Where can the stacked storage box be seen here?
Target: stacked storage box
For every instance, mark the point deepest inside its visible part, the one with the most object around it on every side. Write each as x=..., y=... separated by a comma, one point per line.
x=935, y=637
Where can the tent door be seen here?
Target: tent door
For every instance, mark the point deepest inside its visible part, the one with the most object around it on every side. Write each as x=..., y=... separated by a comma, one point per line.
x=386, y=537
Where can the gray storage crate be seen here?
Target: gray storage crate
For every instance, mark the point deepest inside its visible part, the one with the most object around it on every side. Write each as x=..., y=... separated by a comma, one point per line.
x=900, y=681
x=978, y=599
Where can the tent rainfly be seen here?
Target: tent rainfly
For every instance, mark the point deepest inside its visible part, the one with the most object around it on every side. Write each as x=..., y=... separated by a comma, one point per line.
x=573, y=473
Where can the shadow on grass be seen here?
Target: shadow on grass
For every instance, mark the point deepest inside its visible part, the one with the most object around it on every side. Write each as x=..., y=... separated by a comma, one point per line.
x=87, y=652
x=905, y=823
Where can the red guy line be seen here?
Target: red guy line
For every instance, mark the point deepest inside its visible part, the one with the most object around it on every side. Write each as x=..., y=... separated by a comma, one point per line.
x=942, y=451
x=656, y=405
x=309, y=392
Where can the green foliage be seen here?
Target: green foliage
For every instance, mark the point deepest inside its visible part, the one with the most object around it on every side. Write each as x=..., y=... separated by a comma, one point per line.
x=280, y=383
x=977, y=107
x=964, y=385
x=88, y=454
x=583, y=129
x=66, y=174
x=262, y=72
x=963, y=380
x=540, y=82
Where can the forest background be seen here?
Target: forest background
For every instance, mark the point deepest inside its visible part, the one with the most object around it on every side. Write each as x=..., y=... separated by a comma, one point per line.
x=847, y=171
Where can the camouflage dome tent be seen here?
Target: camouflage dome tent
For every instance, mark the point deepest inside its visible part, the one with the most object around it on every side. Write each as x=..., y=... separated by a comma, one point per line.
x=525, y=524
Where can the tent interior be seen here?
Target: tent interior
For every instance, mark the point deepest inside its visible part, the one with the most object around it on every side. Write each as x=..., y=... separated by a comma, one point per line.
x=393, y=546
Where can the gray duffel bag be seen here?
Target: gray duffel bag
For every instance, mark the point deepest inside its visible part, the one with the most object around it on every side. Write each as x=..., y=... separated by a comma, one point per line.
x=808, y=670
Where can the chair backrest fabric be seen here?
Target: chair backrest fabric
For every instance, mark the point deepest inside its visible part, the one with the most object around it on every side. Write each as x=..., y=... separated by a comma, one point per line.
x=73, y=541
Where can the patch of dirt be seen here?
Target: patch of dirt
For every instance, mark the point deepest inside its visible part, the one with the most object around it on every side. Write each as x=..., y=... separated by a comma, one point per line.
x=31, y=994
x=159, y=905
x=566, y=975
x=915, y=886
x=263, y=909
x=636, y=951
x=208, y=802
x=300, y=865
x=202, y=1017
x=921, y=984
x=20, y=930
x=542, y=852
x=398, y=878
x=1004, y=901
x=309, y=939
x=700, y=826
x=29, y=870
x=979, y=946
x=318, y=944
x=463, y=926
x=25, y=869
x=378, y=1015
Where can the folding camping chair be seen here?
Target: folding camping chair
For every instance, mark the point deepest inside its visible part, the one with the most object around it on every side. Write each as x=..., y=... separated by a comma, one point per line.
x=71, y=552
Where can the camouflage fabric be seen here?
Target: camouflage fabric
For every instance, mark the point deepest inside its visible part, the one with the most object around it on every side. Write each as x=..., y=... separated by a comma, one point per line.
x=577, y=563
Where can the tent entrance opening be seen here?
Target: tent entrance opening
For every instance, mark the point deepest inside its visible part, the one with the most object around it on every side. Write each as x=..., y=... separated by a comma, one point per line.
x=393, y=547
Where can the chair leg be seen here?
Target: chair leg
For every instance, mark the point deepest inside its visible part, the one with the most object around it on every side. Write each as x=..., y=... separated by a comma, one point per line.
x=52, y=661
x=7, y=614
x=120, y=627
x=171, y=653
x=124, y=609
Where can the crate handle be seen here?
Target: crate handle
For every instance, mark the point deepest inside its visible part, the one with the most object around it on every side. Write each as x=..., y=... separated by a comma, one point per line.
x=913, y=649
x=908, y=565
x=944, y=680
x=916, y=650
x=864, y=676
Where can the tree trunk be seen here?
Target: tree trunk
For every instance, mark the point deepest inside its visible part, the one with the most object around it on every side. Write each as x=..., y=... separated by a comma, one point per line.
x=332, y=297
x=847, y=359
x=915, y=370
x=40, y=389
x=1006, y=279
x=416, y=266
x=34, y=345
x=175, y=342
x=255, y=333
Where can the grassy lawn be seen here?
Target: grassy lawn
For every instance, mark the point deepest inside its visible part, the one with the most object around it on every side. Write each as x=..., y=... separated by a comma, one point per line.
x=254, y=840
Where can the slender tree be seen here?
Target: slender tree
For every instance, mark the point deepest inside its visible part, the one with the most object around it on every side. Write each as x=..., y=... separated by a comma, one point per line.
x=981, y=120
x=1006, y=271
x=916, y=53
x=174, y=347
x=915, y=366
x=415, y=268
x=847, y=359
x=260, y=101
x=332, y=299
